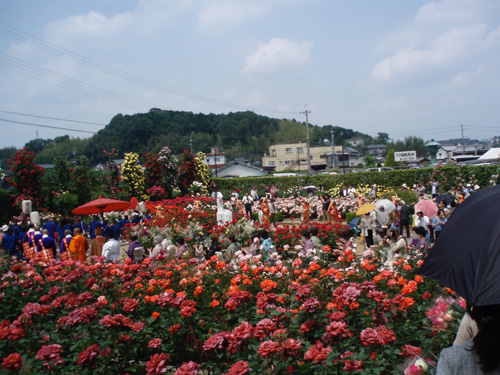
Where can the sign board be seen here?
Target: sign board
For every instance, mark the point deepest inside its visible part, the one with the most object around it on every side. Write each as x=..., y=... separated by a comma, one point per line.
x=405, y=156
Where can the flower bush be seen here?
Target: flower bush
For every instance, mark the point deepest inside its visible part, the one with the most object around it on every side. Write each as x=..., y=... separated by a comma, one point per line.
x=133, y=175
x=302, y=316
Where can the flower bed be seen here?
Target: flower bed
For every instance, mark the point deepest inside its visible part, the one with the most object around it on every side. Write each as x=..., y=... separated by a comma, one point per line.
x=303, y=316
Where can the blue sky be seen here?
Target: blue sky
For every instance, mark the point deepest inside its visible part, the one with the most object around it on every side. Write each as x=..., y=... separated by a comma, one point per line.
x=401, y=67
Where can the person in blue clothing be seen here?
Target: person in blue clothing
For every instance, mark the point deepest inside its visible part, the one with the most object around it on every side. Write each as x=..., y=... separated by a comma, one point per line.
x=80, y=224
x=33, y=241
x=116, y=230
x=135, y=218
x=47, y=242
x=93, y=225
x=438, y=223
x=266, y=243
x=9, y=240
x=54, y=231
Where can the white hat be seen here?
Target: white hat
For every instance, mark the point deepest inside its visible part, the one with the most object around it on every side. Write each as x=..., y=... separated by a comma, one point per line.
x=476, y=187
x=404, y=185
x=5, y=228
x=468, y=185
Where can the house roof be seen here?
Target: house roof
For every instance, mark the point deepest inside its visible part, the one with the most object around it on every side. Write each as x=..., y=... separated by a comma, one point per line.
x=242, y=165
x=376, y=146
x=491, y=154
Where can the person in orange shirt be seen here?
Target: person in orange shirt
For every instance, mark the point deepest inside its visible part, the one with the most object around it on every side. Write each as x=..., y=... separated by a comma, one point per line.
x=79, y=246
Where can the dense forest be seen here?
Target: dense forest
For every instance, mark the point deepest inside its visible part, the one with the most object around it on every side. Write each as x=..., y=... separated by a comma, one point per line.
x=243, y=134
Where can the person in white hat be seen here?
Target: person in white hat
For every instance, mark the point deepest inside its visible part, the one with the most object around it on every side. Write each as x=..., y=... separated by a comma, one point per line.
x=9, y=240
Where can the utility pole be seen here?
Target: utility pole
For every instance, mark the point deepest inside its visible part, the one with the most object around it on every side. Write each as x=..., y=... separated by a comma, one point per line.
x=306, y=112
x=463, y=142
x=191, y=143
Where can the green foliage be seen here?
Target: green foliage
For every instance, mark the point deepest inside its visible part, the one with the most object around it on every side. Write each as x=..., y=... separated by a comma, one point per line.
x=446, y=175
x=409, y=144
x=350, y=216
x=389, y=159
x=7, y=209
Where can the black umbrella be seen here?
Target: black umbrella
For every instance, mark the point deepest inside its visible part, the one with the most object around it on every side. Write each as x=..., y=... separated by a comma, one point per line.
x=447, y=198
x=466, y=256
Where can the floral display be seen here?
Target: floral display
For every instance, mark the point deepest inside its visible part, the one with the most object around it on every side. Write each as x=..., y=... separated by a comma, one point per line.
x=297, y=315
x=202, y=172
x=133, y=175
x=26, y=176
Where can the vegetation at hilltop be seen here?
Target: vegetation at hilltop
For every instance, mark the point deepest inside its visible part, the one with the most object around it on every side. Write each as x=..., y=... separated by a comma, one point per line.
x=243, y=134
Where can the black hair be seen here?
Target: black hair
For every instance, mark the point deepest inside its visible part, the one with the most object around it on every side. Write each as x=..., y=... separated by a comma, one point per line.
x=133, y=237
x=305, y=233
x=420, y=231
x=453, y=204
x=347, y=233
x=179, y=240
x=111, y=234
x=314, y=231
x=263, y=233
x=232, y=238
x=487, y=341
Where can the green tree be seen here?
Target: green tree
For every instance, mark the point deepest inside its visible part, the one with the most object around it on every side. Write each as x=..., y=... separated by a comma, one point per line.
x=382, y=138
x=389, y=159
x=370, y=160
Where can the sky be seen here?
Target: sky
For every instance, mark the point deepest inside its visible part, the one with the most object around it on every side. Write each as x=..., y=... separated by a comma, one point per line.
x=405, y=68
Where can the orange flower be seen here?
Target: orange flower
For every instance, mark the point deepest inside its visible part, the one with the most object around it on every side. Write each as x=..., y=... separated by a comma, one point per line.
x=214, y=303
x=407, y=267
x=198, y=290
x=268, y=285
x=155, y=315
x=418, y=279
x=339, y=276
x=330, y=306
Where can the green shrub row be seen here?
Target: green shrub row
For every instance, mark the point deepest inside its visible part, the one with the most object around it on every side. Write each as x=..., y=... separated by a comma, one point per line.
x=448, y=176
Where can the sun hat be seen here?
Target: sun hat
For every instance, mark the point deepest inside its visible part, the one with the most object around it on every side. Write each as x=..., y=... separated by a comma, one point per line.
x=5, y=228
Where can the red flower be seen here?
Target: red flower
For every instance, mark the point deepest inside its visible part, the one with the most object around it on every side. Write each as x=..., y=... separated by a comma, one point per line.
x=12, y=361
x=50, y=355
x=239, y=368
x=86, y=358
x=154, y=344
x=268, y=348
x=190, y=368
x=317, y=353
x=157, y=364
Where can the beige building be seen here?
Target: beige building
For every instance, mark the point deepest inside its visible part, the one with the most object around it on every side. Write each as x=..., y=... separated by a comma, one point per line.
x=294, y=156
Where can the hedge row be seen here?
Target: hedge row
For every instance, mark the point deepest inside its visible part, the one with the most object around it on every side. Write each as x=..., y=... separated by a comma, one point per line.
x=448, y=176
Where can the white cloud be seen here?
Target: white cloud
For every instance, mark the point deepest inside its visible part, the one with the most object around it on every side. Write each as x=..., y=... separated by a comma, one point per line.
x=277, y=54
x=221, y=16
x=440, y=52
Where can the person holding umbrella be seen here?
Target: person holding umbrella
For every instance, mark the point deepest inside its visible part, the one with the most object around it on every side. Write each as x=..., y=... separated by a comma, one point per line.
x=478, y=355
x=467, y=259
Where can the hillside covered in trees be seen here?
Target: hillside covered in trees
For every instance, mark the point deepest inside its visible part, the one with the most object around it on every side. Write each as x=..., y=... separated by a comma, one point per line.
x=244, y=134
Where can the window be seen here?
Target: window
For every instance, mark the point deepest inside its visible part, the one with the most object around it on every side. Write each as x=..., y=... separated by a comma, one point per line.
x=288, y=150
x=272, y=163
x=287, y=162
x=300, y=150
x=282, y=162
x=322, y=156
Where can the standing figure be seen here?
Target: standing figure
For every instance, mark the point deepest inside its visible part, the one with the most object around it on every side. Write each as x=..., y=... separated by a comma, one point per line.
x=266, y=213
x=306, y=211
x=334, y=213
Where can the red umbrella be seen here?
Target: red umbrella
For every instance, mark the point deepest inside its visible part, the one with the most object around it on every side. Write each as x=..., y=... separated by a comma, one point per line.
x=101, y=205
x=429, y=208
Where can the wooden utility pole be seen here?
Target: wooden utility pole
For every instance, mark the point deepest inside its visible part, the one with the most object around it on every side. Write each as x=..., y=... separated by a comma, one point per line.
x=306, y=112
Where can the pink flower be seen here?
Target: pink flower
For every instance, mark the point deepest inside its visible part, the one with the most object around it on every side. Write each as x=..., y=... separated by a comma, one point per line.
x=50, y=355
x=268, y=348
x=154, y=343
x=190, y=368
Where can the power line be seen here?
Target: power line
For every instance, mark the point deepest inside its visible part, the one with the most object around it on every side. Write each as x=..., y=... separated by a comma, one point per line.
x=52, y=118
x=46, y=126
x=68, y=54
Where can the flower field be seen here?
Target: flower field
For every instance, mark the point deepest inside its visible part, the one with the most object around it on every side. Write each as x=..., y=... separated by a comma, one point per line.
x=314, y=315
